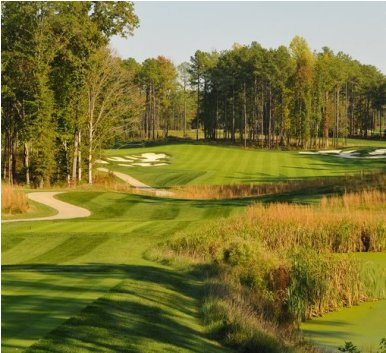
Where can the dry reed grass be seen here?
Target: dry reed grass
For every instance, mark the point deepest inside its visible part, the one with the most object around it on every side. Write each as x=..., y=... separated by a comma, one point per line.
x=13, y=200
x=277, y=265
x=346, y=183
x=366, y=198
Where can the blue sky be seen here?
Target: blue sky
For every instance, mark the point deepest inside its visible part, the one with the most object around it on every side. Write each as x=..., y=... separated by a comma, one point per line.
x=177, y=29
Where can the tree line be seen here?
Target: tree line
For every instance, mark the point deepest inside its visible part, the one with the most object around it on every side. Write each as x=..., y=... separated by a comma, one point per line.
x=286, y=96
x=62, y=87
x=66, y=95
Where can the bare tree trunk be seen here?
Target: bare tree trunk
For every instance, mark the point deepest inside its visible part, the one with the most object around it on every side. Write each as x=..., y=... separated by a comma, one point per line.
x=245, y=116
x=184, y=109
x=75, y=156
x=5, y=156
x=198, y=105
x=325, y=120
x=14, y=153
x=90, y=146
x=262, y=114
x=254, y=112
x=26, y=164
x=79, y=157
x=233, y=115
x=10, y=179
x=153, y=112
x=270, y=118
x=337, y=117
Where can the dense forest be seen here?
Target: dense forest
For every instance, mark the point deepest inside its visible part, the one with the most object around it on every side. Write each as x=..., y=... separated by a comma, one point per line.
x=65, y=94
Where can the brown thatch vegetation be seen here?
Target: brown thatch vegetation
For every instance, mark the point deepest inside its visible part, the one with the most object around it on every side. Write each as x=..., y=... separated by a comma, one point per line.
x=338, y=184
x=279, y=264
x=13, y=200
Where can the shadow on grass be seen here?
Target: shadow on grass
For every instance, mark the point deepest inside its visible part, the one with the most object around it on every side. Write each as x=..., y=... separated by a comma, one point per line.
x=150, y=309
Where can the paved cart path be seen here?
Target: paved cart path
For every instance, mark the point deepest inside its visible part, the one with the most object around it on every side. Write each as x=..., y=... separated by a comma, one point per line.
x=138, y=184
x=65, y=210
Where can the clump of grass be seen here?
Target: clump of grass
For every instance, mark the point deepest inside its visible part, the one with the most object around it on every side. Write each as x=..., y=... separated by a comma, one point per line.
x=280, y=264
x=366, y=198
x=337, y=184
x=13, y=200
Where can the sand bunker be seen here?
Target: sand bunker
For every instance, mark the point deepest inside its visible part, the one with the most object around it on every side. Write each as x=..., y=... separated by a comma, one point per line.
x=117, y=159
x=99, y=161
x=376, y=154
x=144, y=160
x=379, y=151
x=143, y=164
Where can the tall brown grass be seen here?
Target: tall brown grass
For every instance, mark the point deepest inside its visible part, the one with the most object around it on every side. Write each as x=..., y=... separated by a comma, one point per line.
x=278, y=264
x=13, y=200
x=345, y=183
x=366, y=198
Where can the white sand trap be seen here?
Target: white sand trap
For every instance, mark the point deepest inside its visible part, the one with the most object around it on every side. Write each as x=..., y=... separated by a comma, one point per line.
x=125, y=165
x=144, y=160
x=142, y=164
x=153, y=157
x=118, y=159
x=330, y=151
x=378, y=152
x=65, y=210
x=99, y=161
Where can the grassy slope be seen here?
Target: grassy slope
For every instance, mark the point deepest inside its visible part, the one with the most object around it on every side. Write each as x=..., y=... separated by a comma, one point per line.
x=364, y=325
x=204, y=164
x=85, y=285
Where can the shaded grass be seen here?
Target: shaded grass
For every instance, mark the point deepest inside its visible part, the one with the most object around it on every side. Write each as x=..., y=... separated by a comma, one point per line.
x=85, y=286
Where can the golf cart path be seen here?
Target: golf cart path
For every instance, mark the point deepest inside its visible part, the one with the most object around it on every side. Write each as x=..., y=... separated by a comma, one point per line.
x=137, y=184
x=65, y=210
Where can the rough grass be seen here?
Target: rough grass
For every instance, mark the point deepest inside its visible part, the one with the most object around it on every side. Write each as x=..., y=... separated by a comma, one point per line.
x=13, y=200
x=375, y=181
x=277, y=265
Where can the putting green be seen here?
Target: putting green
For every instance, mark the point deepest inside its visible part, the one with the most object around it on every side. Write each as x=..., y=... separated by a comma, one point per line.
x=84, y=285
x=205, y=164
x=364, y=325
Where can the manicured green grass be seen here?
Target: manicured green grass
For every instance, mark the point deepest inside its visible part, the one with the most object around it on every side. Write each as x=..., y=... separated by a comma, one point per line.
x=205, y=164
x=84, y=285
x=368, y=143
x=364, y=325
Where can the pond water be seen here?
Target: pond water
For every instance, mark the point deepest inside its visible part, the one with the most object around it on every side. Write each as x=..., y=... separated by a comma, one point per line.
x=364, y=325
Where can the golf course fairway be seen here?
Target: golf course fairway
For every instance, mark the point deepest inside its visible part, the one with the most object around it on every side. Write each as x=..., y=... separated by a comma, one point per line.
x=85, y=285
x=89, y=285
x=204, y=164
